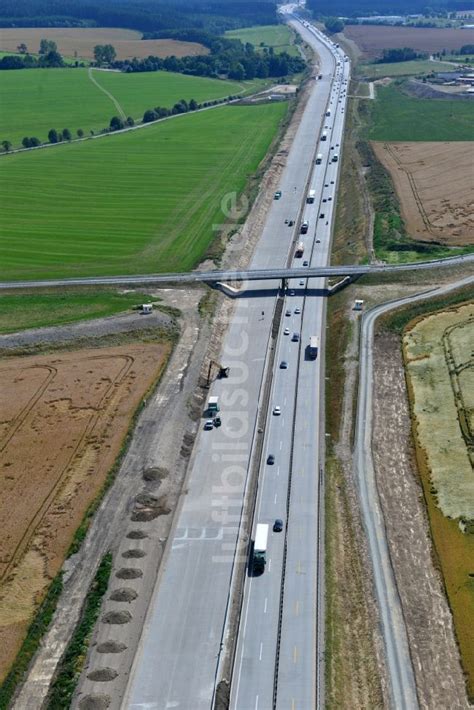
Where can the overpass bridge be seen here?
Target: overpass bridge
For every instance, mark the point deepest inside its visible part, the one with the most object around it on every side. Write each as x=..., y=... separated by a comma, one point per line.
x=215, y=276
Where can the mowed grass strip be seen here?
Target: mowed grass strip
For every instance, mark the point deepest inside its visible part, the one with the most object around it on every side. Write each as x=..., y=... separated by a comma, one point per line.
x=140, y=202
x=398, y=117
x=32, y=101
x=37, y=310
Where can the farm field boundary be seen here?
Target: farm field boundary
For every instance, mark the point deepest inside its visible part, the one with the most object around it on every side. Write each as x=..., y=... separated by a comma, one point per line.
x=67, y=98
x=440, y=367
x=435, y=188
x=279, y=37
x=413, y=68
x=398, y=117
x=76, y=406
x=114, y=216
x=372, y=39
x=80, y=42
x=38, y=310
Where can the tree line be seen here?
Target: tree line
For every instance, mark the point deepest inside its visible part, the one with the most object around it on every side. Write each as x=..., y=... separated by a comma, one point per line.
x=238, y=62
x=117, y=123
x=145, y=15
x=405, y=54
x=49, y=57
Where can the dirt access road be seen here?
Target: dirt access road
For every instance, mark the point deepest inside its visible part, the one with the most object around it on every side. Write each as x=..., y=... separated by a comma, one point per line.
x=434, y=184
x=63, y=417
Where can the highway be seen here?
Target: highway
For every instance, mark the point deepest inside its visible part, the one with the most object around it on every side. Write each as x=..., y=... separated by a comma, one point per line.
x=179, y=652
x=403, y=687
x=266, y=273
x=279, y=646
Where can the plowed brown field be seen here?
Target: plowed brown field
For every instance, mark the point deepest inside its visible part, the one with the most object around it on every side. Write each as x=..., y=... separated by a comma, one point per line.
x=63, y=418
x=127, y=43
x=435, y=185
x=372, y=39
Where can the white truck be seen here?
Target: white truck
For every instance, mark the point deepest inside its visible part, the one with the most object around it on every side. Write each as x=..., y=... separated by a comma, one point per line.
x=299, y=250
x=260, y=547
x=313, y=347
x=319, y=159
x=311, y=197
x=213, y=404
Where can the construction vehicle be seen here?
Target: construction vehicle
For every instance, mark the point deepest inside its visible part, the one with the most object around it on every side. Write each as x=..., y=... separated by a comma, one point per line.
x=221, y=371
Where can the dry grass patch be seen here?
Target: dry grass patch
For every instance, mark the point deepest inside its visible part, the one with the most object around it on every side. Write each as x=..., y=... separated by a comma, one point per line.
x=435, y=188
x=442, y=409
x=440, y=365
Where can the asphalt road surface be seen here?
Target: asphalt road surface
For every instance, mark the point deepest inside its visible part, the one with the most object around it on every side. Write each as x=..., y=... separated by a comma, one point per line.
x=268, y=273
x=279, y=646
x=178, y=656
x=399, y=664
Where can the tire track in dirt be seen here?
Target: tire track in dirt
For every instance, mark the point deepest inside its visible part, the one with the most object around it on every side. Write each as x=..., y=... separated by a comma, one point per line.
x=47, y=501
x=411, y=180
x=20, y=418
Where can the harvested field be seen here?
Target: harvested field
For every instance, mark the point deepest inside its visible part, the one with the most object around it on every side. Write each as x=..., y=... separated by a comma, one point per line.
x=440, y=366
x=80, y=42
x=63, y=418
x=435, y=188
x=372, y=39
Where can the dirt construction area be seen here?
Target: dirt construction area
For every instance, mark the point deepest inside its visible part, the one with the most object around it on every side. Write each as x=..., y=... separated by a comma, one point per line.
x=434, y=184
x=63, y=418
x=372, y=39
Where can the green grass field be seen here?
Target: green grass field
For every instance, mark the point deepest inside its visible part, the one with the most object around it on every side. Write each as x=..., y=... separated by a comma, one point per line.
x=378, y=71
x=277, y=36
x=36, y=310
x=67, y=60
x=35, y=100
x=460, y=58
x=142, y=201
x=398, y=117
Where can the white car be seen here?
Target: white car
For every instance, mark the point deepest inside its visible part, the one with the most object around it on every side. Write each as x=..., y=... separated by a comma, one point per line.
x=297, y=311
x=277, y=411
x=286, y=331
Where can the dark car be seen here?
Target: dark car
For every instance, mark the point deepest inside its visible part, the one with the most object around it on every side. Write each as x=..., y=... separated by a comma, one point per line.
x=271, y=460
x=217, y=421
x=278, y=525
x=305, y=263
x=283, y=365
x=321, y=216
